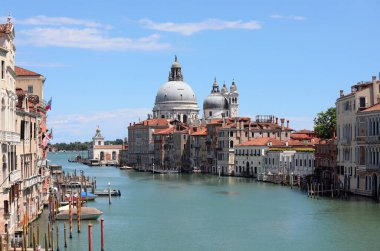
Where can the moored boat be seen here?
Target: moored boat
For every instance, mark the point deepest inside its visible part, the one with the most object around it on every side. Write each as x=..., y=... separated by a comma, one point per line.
x=87, y=213
x=106, y=193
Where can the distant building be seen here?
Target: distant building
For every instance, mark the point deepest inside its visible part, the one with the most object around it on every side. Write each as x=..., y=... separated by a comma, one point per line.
x=106, y=154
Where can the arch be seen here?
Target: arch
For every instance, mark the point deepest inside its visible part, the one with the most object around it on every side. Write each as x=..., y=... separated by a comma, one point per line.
x=114, y=155
x=231, y=144
x=101, y=155
x=184, y=118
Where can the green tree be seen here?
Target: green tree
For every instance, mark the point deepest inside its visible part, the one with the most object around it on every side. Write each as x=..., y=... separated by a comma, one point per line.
x=325, y=123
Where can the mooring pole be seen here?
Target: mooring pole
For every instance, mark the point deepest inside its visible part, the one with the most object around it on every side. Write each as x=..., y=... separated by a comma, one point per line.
x=89, y=237
x=102, y=234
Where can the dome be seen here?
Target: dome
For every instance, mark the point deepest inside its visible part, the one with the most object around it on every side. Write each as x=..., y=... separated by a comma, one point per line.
x=224, y=89
x=215, y=101
x=176, y=91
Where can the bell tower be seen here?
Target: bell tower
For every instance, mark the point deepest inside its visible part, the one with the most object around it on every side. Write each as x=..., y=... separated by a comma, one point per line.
x=233, y=96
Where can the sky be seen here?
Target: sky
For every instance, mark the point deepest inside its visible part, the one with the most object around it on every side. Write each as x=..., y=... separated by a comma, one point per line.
x=104, y=61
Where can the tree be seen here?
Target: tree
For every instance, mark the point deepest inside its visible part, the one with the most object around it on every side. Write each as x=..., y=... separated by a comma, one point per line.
x=325, y=123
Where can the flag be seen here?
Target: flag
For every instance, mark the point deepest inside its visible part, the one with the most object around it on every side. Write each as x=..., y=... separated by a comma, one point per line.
x=48, y=105
x=49, y=135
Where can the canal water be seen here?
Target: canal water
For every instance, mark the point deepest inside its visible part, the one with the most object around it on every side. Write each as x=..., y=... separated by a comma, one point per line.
x=203, y=212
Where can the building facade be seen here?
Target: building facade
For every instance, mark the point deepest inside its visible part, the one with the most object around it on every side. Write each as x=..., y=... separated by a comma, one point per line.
x=350, y=154
x=105, y=154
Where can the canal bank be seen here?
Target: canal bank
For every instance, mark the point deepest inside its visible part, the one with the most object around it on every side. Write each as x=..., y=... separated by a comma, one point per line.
x=202, y=212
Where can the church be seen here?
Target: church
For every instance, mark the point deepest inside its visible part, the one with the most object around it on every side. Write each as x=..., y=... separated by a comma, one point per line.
x=176, y=100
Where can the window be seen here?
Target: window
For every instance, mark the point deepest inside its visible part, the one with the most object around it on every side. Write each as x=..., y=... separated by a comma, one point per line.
x=22, y=130
x=210, y=113
x=2, y=69
x=362, y=102
x=231, y=144
x=30, y=88
x=231, y=133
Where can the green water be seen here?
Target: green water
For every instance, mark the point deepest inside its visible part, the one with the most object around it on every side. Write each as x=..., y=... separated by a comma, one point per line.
x=202, y=212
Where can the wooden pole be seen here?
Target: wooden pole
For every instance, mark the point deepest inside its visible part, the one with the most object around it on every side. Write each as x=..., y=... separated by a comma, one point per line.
x=7, y=248
x=1, y=243
x=48, y=236
x=57, y=227
x=30, y=236
x=52, y=238
x=46, y=243
x=71, y=220
x=89, y=237
x=24, y=241
x=79, y=209
x=102, y=234
x=38, y=235
x=34, y=242
x=64, y=234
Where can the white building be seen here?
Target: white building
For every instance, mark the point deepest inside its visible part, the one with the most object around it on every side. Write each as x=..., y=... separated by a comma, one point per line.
x=10, y=176
x=249, y=156
x=105, y=154
x=176, y=99
x=304, y=163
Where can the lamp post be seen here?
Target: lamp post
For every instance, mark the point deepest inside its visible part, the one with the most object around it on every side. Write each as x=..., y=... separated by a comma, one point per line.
x=109, y=193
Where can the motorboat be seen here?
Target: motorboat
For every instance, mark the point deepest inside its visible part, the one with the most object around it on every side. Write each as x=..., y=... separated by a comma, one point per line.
x=86, y=213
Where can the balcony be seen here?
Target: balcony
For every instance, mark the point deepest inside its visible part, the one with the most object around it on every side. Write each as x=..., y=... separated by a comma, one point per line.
x=11, y=137
x=15, y=176
x=32, y=181
x=372, y=139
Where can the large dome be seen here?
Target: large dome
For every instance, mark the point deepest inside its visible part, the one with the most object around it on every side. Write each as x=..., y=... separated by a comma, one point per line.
x=215, y=101
x=176, y=91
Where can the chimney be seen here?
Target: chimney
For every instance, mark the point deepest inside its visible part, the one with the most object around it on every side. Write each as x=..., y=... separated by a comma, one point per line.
x=282, y=123
x=376, y=91
x=287, y=123
x=276, y=121
x=341, y=93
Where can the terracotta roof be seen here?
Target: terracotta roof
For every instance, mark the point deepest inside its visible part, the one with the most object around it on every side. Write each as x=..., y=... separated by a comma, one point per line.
x=153, y=122
x=263, y=142
x=375, y=107
x=164, y=131
x=200, y=132
x=300, y=136
x=24, y=72
x=109, y=147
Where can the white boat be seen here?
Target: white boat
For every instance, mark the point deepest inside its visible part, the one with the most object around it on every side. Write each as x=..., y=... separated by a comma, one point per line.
x=87, y=213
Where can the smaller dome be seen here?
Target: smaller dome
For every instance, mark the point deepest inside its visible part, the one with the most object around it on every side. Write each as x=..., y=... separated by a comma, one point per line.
x=224, y=89
x=215, y=101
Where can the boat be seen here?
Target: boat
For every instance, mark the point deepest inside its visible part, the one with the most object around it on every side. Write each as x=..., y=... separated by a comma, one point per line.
x=87, y=213
x=126, y=168
x=105, y=192
x=88, y=196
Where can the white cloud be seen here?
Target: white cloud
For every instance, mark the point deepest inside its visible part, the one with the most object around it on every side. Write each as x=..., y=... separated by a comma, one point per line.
x=279, y=16
x=87, y=38
x=81, y=127
x=57, y=21
x=188, y=29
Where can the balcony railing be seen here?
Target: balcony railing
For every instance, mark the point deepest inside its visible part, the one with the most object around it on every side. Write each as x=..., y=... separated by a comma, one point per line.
x=32, y=181
x=6, y=136
x=15, y=176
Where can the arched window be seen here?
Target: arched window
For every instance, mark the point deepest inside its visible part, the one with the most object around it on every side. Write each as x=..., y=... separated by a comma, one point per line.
x=113, y=155
x=231, y=144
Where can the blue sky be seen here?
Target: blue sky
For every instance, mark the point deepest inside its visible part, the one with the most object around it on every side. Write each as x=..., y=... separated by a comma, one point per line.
x=105, y=60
